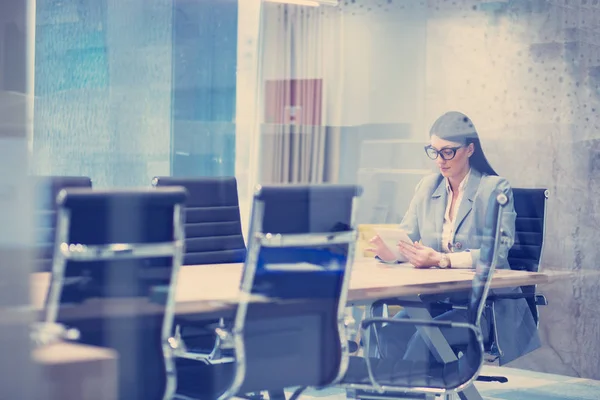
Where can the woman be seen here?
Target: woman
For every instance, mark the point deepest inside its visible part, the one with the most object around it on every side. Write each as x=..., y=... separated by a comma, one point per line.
x=445, y=221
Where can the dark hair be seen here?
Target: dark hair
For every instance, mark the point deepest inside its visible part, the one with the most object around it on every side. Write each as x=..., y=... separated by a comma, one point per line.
x=455, y=126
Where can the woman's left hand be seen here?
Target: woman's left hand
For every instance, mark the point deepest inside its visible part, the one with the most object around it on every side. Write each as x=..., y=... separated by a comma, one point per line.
x=420, y=256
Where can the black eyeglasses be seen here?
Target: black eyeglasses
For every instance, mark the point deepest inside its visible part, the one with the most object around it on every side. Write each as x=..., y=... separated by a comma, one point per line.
x=447, y=153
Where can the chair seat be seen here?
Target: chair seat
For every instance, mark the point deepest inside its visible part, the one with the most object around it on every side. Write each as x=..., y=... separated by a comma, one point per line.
x=207, y=382
x=404, y=373
x=201, y=381
x=200, y=337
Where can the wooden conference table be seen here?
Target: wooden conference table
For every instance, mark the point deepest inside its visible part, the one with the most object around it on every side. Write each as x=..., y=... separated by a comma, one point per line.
x=209, y=291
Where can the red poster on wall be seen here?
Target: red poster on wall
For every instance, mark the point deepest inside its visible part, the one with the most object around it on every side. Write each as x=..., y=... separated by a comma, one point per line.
x=293, y=101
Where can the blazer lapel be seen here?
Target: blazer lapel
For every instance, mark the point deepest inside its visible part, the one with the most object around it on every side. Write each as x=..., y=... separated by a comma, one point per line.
x=468, y=197
x=440, y=200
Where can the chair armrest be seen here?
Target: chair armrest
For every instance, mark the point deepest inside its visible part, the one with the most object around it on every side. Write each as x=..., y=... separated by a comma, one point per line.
x=398, y=302
x=366, y=324
x=539, y=299
x=44, y=333
x=441, y=300
x=403, y=303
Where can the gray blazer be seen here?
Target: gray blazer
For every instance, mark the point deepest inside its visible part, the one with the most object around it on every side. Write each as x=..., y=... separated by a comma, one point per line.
x=517, y=331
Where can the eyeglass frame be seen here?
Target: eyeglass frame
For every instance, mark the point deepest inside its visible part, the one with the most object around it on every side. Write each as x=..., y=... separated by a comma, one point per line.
x=439, y=152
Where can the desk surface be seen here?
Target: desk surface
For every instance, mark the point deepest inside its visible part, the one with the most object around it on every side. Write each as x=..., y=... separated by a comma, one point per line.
x=73, y=371
x=64, y=352
x=208, y=289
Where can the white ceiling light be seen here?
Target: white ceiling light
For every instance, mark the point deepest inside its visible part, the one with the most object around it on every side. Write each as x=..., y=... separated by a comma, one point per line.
x=309, y=3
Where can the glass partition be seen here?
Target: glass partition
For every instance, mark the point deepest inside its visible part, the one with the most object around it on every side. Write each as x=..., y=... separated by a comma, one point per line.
x=129, y=90
x=348, y=91
x=328, y=91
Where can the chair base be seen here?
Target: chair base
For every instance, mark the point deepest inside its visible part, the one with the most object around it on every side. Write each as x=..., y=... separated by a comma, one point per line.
x=252, y=396
x=500, y=379
x=371, y=395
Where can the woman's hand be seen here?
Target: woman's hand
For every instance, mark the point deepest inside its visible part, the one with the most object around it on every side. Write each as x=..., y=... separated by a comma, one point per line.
x=381, y=250
x=420, y=256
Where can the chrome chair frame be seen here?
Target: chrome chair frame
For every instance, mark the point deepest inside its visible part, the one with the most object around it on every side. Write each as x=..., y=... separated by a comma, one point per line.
x=65, y=251
x=371, y=311
x=492, y=307
x=502, y=200
x=258, y=239
x=212, y=357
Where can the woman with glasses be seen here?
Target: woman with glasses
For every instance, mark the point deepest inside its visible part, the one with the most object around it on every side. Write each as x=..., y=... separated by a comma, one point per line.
x=445, y=222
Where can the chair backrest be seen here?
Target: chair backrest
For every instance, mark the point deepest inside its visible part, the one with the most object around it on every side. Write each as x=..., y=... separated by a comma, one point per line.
x=530, y=206
x=526, y=253
x=301, y=251
x=491, y=241
x=436, y=376
x=46, y=188
x=124, y=246
x=213, y=226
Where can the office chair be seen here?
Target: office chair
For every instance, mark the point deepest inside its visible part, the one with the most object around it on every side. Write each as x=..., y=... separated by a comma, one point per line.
x=300, y=255
x=524, y=255
x=213, y=230
x=213, y=227
x=45, y=190
x=378, y=378
x=115, y=268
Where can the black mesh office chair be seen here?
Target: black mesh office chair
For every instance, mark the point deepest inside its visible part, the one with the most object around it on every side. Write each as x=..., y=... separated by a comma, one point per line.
x=377, y=378
x=524, y=255
x=45, y=190
x=300, y=255
x=116, y=261
x=213, y=230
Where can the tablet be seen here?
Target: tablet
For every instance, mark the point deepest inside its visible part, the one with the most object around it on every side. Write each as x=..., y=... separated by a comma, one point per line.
x=391, y=237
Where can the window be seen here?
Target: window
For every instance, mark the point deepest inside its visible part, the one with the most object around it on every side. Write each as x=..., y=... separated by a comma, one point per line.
x=129, y=90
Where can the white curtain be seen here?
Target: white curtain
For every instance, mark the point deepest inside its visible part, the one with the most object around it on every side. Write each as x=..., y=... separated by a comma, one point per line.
x=281, y=43
x=301, y=61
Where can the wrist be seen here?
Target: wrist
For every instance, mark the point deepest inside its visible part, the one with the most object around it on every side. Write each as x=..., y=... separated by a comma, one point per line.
x=444, y=261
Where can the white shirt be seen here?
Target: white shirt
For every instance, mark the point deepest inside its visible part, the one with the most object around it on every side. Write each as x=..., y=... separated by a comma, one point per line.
x=461, y=259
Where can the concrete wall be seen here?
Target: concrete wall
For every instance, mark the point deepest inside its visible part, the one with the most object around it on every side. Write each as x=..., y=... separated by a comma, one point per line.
x=526, y=72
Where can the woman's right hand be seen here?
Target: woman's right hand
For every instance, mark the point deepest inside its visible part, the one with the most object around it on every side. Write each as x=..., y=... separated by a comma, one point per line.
x=381, y=250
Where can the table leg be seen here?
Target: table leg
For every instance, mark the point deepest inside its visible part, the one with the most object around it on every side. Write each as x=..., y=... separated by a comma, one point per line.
x=470, y=393
x=380, y=311
x=358, y=314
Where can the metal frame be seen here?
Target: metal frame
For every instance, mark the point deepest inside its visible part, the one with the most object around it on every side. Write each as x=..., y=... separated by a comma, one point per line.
x=43, y=334
x=547, y=196
x=502, y=199
x=496, y=341
x=65, y=251
x=415, y=389
x=210, y=358
x=235, y=336
x=169, y=315
x=493, y=306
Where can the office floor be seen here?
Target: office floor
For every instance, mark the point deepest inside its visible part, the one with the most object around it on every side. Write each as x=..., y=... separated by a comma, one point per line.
x=522, y=385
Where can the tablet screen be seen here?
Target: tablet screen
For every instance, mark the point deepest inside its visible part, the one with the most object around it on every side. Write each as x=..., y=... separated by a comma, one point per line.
x=391, y=237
